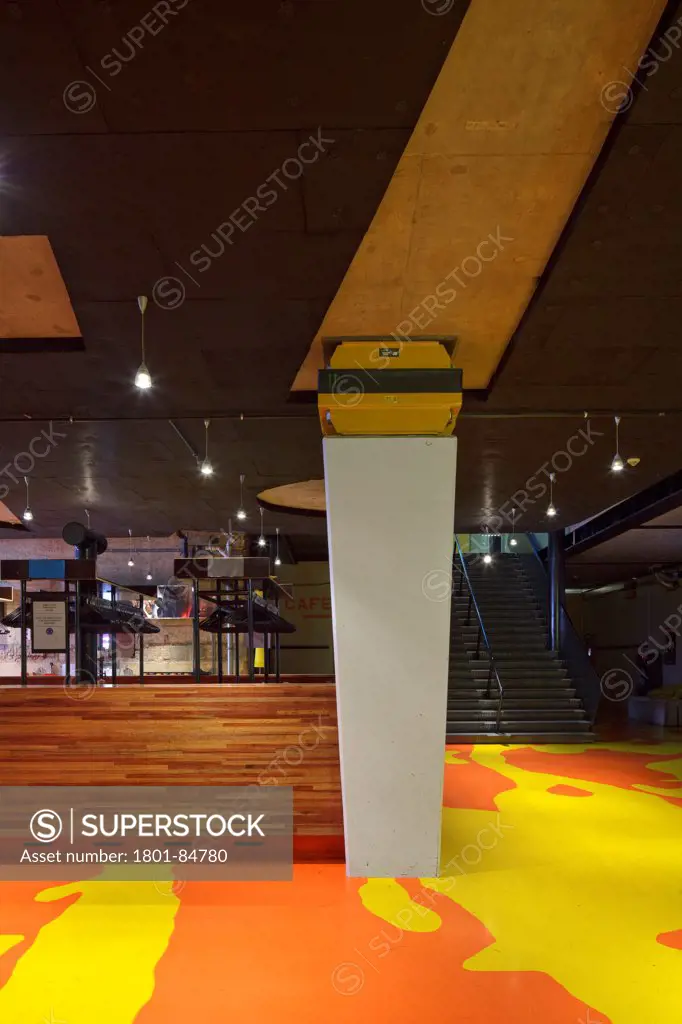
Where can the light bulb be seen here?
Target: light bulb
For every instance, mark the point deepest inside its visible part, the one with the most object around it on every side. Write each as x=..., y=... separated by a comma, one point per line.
x=487, y=559
x=262, y=542
x=143, y=378
x=551, y=509
x=28, y=515
x=513, y=542
x=149, y=576
x=206, y=468
x=617, y=466
x=278, y=560
x=131, y=563
x=241, y=514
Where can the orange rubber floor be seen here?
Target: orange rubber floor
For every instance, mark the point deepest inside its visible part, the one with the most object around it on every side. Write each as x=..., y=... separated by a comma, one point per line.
x=560, y=900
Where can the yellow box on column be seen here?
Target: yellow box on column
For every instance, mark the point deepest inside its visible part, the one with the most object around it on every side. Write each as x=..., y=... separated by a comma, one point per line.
x=383, y=387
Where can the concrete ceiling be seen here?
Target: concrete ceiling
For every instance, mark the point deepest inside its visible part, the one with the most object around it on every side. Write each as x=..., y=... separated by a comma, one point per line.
x=203, y=112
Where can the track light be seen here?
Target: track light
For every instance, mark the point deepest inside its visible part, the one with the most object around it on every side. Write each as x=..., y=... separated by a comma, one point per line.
x=241, y=512
x=27, y=515
x=143, y=378
x=551, y=508
x=206, y=467
x=617, y=465
x=278, y=560
x=131, y=560
x=262, y=543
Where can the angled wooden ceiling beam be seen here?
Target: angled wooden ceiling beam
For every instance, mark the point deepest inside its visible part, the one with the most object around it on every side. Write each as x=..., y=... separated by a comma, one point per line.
x=490, y=175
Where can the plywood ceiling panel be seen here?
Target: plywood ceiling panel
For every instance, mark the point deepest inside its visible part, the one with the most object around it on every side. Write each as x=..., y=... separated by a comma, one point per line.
x=504, y=145
x=34, y=302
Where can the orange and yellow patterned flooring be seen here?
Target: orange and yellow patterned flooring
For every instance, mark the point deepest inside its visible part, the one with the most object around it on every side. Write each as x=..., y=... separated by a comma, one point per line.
x=560, y=901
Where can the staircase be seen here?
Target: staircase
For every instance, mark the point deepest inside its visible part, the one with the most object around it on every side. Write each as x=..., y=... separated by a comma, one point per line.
x=538, y=702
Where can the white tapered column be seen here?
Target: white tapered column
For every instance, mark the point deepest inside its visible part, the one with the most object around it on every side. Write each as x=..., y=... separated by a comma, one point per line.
x=390, y=518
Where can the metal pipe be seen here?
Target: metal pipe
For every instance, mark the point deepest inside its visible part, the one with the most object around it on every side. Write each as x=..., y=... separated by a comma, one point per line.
x=114, y=641
x=219, y=589
x=249, y=619
x=141, y=639
x=196, y=635
x=77, y=628
x=24, y=653
x=557, y=589
x=67, y=655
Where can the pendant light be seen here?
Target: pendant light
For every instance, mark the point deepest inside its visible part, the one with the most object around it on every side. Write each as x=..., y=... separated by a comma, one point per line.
x=149, y=576
x=131, y=560
x=551, y=508
x=27, y=515
x=617, y=465
x=143, y=378
x=278, y=560
x=206, y=467
x=262, y=543
x=241, y=511
x=513, y=541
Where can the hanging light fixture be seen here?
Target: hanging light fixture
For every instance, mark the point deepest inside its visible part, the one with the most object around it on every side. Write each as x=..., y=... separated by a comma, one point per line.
x=262, y=543
x=149, y=576
x=551, y=508
x=206, y=467
x=131, y=560
x=241, y=511
x=617, y=465
x=513, y=541
x=278, y=560
x=27, y=515
x=487, y=558
x=143, y=378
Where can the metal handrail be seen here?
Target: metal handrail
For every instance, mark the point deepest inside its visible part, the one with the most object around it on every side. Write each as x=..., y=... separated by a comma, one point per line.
x=492, y=669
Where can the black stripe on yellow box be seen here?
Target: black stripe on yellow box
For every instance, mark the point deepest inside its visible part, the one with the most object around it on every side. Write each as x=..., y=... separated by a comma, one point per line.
x=403, y=382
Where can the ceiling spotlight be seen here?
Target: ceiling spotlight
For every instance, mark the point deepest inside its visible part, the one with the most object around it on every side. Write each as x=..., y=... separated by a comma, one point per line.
x=241, y=511
x=27, y=515
x=617, y=465
x=143, y=378
x=206, y=467
x=487, y=559
x=551, y=508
